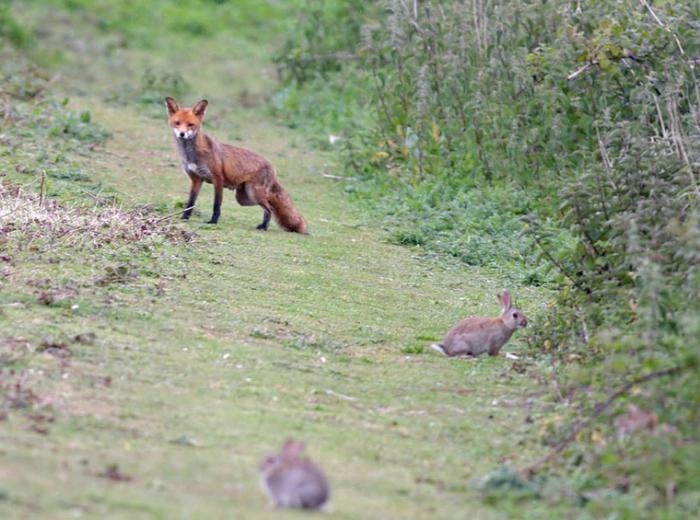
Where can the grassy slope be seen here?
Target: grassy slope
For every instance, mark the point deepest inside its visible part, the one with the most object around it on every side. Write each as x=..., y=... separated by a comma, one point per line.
x=269, y=335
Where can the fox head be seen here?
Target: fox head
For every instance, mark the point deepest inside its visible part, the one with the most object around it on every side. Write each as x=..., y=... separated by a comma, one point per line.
x=185, y=122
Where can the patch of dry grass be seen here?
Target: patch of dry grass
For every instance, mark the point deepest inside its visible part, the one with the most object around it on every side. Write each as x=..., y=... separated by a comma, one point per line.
x=29, y=221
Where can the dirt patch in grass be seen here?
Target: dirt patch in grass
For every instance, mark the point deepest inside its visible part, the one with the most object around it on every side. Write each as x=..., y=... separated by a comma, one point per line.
x=76, y=400
x=36, y=383
x=18, y=394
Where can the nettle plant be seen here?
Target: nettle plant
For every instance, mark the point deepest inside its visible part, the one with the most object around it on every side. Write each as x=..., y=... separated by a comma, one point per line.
x=441, y=73
x=623, y=332
x=632, y=200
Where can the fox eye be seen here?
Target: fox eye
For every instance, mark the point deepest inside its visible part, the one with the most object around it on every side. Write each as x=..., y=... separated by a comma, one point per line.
x=177, y=123
x=191, y=125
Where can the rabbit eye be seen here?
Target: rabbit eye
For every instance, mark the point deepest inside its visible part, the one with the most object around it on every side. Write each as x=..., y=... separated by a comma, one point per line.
x=515, y=315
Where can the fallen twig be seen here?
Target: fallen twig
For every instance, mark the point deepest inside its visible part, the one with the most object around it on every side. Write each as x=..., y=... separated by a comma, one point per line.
x=41, y=187
x=10, y=212
x=338, y=177
x=661, y=24
x=170, y=215
x=341, y=396
x=578, y=72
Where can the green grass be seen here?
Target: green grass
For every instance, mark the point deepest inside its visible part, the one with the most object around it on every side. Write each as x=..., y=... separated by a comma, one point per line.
x=239, y=339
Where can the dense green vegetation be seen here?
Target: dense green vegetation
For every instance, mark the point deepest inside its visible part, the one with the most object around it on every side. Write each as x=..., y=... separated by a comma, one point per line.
x=558, y=141
x=549, y=146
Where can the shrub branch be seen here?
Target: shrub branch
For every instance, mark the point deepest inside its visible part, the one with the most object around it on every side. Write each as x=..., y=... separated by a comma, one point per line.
x=533, y=468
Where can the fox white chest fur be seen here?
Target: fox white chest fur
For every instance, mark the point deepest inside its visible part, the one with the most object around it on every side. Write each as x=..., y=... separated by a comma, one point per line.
x=190, y=161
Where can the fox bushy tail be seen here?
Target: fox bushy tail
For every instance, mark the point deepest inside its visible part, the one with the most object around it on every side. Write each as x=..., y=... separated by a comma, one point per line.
x=284, y=212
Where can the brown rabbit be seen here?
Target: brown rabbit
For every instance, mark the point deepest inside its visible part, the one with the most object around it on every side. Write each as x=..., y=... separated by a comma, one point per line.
x=293, y=482
x=474, y=336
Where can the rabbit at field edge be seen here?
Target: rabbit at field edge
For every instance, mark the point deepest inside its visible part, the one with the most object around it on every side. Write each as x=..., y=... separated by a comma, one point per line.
x=474, y=336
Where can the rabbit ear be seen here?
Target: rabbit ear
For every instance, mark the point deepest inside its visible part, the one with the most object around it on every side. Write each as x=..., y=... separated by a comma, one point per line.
x=292, y=449
x=506, y=301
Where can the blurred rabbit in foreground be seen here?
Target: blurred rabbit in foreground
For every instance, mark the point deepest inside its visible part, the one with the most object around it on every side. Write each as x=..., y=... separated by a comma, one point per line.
x=291, y=481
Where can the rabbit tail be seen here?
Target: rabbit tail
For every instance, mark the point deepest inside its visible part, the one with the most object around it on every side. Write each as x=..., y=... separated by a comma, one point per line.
x=439, y=348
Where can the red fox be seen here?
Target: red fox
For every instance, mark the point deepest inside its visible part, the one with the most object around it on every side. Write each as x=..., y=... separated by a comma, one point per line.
x=251, y=175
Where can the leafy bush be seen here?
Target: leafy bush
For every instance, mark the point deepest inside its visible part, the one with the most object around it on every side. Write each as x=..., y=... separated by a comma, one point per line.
x=58, y=120
x=629, y=305
x=151, y=89
x=316, y=43
x=23, y=82
x=329, y=115
x=10, y=30
x=322, y=90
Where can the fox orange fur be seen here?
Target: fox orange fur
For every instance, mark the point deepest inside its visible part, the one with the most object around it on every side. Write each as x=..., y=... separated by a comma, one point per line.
x=251, y=175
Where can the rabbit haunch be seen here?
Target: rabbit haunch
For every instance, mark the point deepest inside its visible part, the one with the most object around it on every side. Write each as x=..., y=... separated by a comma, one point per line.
x=477, y=335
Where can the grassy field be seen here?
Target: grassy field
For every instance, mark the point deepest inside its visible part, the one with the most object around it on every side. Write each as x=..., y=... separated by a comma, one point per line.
x=146, y=377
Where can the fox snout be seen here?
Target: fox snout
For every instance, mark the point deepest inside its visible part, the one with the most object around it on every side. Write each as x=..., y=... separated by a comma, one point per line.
x=184, y=134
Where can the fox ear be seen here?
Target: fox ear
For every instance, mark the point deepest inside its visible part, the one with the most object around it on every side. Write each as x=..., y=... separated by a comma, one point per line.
x=199, y=108
x=172, y=105
x=505, y=300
